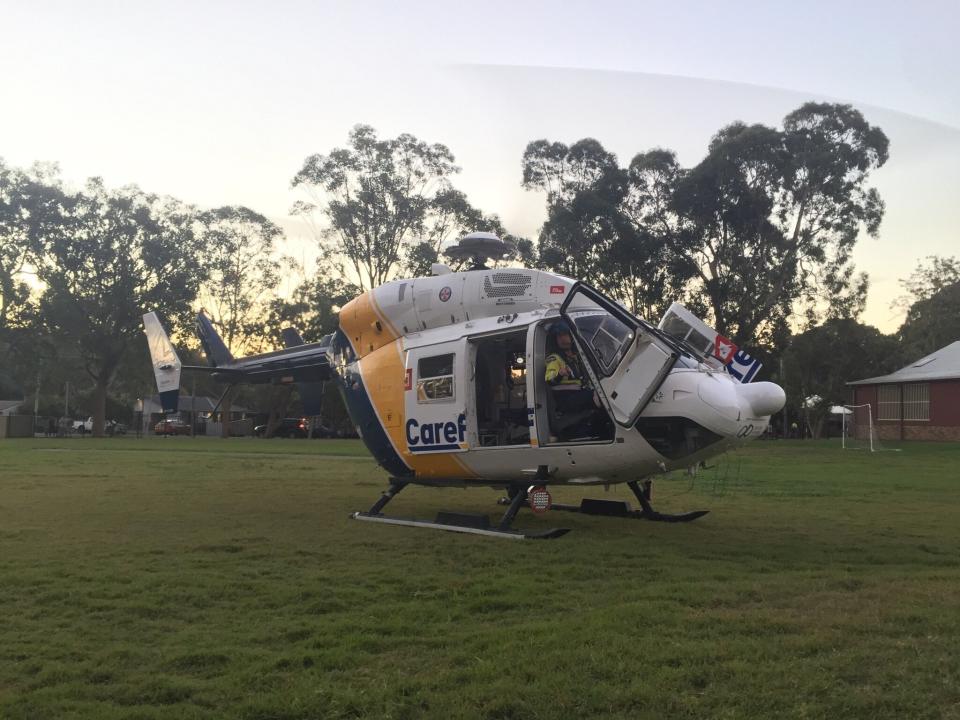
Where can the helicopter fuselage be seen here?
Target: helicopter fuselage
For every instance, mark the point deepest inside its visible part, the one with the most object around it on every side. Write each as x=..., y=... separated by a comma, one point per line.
x=443, y=378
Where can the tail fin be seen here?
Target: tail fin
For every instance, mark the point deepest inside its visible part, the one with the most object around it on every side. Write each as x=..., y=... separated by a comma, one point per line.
x=311, y=393
x=166, y=364
x=216, y=352
x=291, y=338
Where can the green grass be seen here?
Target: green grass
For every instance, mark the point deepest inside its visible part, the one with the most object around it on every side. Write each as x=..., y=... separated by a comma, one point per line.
x=186, y=578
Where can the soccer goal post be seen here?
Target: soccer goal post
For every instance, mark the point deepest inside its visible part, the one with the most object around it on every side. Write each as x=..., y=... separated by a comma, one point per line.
x=858, y=431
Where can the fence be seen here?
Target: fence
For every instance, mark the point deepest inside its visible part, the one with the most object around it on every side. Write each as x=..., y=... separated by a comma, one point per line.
x=27, y=426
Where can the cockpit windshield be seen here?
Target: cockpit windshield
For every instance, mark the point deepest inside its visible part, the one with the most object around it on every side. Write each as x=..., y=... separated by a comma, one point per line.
x=607, y=338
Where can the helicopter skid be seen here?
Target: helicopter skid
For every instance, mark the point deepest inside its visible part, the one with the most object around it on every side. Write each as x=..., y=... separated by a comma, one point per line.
x=469, y=529
x=460, y=522
x=616, y=508
x=621, y=508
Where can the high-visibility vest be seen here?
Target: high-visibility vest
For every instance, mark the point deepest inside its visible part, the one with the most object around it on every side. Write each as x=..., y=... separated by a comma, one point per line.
x=555, y=377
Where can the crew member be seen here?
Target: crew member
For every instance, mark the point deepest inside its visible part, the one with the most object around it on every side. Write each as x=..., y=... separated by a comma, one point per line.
x=571, y=387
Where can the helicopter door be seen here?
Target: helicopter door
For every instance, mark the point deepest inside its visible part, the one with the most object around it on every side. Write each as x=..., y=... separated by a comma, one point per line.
x=630, y=361
x=435, y=398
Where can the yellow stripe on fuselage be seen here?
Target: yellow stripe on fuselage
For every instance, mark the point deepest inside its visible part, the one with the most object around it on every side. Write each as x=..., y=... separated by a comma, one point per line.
x=384, y=376
x=366, y=327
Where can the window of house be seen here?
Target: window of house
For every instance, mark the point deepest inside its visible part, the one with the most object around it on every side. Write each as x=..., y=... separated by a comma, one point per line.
x=889, y=402
x=916, y=401
x=435, y=378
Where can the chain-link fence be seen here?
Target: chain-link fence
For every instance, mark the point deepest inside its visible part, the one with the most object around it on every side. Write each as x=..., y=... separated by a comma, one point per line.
x=25, y=426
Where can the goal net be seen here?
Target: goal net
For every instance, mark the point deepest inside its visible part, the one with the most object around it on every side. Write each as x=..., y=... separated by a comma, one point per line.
x=859, y=432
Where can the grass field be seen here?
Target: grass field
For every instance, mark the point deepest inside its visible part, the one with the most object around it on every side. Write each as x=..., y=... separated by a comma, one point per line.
x=184, y=578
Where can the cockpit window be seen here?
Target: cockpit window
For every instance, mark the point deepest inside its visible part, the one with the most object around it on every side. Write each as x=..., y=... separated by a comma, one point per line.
x=678, y=328
x=607, y=338
x=606, y=329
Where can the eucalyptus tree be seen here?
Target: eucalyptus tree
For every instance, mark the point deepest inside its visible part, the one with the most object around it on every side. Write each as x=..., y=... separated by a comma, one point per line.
x=595, y=230
x=376, y=197
x=242, y=270
x=933, y=306
x=104, y=257
x=769, y=218
x=761, y=228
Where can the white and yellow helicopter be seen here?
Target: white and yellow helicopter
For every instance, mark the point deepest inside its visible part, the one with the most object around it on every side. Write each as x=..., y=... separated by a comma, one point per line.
x=512, y=378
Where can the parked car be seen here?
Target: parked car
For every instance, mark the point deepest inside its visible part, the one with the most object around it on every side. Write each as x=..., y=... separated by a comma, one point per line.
x=322, y=431
x=288, y=428
x=110, y=427
x=83, y=426
x=171, y=427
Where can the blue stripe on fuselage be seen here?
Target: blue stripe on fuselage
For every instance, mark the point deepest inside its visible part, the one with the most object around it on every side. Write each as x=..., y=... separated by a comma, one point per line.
x=433, y=448
x=364, y=418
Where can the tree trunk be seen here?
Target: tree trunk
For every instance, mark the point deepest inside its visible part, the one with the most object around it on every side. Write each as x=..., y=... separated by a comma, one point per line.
x=225, y=413
x=816, y=429
x=278, y=410
x=99, y=408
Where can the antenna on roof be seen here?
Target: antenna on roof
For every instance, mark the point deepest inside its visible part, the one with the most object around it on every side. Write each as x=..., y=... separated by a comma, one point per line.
x=478, y=248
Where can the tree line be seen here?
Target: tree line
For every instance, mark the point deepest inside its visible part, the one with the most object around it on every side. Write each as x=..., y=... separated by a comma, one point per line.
x=79, y=267
x=756, y=238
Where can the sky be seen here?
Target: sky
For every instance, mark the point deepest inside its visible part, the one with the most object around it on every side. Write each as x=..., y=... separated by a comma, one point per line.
x=220, y=102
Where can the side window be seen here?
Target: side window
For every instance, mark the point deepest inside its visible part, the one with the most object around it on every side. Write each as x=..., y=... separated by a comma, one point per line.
x=435, y=378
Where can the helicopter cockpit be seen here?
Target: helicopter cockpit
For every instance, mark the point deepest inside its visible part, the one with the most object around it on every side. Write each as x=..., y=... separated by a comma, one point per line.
x=567, y=411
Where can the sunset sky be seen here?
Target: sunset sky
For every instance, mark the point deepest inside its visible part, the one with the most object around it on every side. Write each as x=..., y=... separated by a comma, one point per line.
x=219, y=103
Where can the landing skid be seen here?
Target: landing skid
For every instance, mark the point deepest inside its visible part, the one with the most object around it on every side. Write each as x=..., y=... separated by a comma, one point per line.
x=461, y=522
x=621, y=508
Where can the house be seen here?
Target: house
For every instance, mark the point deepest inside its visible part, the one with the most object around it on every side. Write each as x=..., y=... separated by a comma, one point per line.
x=11, y=424
x=918, y=402
x=9, y=407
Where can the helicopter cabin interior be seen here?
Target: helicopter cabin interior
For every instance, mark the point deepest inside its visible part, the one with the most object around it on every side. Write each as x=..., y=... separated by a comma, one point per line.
x=502, y=405
x=501, y=387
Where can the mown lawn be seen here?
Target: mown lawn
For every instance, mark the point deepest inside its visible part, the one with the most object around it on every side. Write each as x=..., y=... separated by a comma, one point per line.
x=184, y=578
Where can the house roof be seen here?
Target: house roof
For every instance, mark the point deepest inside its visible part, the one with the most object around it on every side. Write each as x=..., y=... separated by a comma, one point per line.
x=9, y=404
x=944, y=364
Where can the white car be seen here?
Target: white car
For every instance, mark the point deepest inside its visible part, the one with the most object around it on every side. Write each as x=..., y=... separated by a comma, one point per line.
x=83, y=426
x=110, y=427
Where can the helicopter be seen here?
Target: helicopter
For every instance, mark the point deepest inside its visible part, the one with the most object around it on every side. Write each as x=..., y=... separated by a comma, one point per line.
x=445, y=379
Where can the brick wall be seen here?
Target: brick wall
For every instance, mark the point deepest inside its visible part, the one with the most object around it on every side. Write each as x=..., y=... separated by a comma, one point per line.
x=931, y=432
x=944, y=422
x=891, y=431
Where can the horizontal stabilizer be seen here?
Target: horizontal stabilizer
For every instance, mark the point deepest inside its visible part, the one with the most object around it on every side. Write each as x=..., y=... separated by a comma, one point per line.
x=166, y=363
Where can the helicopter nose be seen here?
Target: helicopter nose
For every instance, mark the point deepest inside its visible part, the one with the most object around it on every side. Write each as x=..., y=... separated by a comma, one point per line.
x=764, y=398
